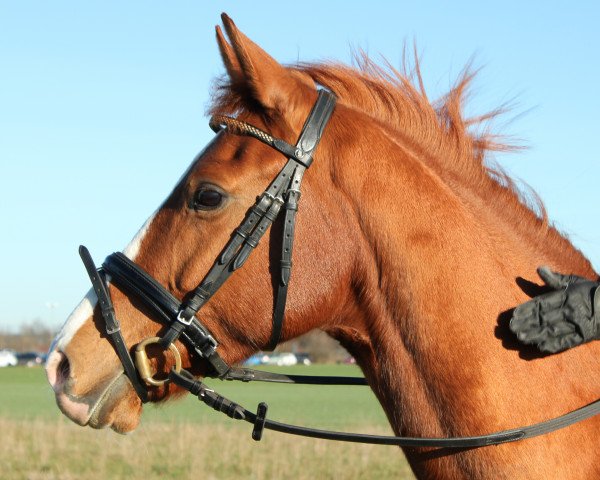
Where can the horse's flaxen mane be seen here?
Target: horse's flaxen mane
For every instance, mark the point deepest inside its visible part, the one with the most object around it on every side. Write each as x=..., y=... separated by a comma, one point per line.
x=450, y=144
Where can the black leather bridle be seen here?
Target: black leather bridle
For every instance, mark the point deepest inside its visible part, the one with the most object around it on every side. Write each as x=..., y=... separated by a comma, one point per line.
x=181, y=317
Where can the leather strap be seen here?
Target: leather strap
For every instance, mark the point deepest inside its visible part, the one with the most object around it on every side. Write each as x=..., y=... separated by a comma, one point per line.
x=134, y=280
x=182, y=321
x=260, y=422
x=285, y=264
x=181, y=316
x=264, y=212
x=312, y=132
x=237, y=250
x=113, y=328
x=248, y=375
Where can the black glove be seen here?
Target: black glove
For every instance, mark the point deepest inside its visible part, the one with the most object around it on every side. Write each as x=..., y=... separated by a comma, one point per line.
x=561, y=319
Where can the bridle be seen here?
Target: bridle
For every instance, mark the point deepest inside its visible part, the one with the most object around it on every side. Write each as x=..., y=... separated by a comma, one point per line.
x=181, y=316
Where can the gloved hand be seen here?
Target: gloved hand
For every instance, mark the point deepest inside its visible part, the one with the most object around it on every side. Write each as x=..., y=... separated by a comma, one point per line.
x=561, y=319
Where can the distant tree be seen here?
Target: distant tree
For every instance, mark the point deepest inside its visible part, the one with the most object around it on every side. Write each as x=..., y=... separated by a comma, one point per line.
x=34, y=335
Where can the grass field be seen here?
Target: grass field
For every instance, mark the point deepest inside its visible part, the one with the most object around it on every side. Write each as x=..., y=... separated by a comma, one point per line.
x=185, y=439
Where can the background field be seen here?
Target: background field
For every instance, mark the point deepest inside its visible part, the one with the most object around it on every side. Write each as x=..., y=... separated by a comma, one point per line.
x=185, y=439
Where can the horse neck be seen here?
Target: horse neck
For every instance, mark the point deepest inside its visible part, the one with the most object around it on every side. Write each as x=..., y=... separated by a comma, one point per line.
x=435, y=285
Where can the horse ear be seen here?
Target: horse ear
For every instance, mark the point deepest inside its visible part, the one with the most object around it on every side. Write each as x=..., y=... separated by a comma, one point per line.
x=271, y=84
x=229, y=58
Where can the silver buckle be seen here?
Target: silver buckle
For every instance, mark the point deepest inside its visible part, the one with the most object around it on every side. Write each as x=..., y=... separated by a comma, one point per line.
x=182, y=319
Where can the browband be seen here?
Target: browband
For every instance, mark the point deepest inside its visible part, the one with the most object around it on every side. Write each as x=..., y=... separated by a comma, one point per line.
x=312, y=131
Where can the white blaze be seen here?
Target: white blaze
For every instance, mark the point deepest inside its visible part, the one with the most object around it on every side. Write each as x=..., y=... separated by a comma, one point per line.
x=82, y=312
x=85, y=309
x=133, y=248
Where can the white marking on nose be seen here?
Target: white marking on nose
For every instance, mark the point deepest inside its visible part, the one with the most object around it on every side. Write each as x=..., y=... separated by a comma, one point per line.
x=82, y=312
x=131, y=251
x=85, y=309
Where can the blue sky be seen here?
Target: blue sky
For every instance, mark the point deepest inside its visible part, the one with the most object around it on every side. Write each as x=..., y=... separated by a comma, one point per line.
x=102, y=108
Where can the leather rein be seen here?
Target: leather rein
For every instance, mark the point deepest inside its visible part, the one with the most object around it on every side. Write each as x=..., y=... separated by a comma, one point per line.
x=182, y=321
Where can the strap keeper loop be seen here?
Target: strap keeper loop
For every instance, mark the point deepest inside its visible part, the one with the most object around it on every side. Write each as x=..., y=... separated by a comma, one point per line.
x=111, y=331
x=259, y=423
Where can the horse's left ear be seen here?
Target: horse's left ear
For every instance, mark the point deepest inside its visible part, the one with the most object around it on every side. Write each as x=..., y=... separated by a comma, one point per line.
x=273, y=86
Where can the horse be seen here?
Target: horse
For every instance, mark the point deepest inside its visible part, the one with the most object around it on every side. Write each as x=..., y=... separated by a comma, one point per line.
x=411, y=251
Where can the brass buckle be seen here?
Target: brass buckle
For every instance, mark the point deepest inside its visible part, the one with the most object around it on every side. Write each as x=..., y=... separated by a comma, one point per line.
x=142, y=362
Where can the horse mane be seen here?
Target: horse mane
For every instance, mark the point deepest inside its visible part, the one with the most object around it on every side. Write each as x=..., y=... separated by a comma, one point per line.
x=456, y=148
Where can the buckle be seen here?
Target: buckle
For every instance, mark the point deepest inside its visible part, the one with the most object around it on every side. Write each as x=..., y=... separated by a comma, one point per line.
x=111, y=331
x=186, y=321
x=208, y=346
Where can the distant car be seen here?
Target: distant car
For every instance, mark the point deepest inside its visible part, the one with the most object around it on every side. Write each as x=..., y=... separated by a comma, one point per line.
x=31, y=359
x=282, y=359
x=303, y=358
x=285, y=359
x=7, y=358
x=256, y=359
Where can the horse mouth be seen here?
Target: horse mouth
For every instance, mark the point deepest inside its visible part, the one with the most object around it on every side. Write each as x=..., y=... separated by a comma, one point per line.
x=117, y=407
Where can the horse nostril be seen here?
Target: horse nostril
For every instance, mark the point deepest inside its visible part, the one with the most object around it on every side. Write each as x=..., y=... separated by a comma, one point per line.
x=58, y=370
x=63, y=369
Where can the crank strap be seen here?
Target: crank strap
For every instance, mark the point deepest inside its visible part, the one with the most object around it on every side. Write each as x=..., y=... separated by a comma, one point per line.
x=132, y=278
x=135, y=280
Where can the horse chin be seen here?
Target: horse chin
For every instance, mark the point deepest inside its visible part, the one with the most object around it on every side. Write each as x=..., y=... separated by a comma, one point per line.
x=118, y=407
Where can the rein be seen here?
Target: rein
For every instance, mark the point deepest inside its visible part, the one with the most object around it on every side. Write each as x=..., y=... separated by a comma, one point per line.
x=182, y=321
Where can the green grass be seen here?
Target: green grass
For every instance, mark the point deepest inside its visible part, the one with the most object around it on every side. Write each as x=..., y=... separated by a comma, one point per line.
x=25, y=393
x=185, y=439
x=315, y=405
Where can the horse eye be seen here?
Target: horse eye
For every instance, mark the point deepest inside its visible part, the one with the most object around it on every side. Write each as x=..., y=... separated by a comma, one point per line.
x=207, y=199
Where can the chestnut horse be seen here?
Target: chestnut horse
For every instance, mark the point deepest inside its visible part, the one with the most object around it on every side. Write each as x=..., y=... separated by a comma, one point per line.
x=409, y=250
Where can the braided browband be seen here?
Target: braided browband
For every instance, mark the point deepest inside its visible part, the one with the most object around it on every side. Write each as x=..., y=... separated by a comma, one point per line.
x=238, y=127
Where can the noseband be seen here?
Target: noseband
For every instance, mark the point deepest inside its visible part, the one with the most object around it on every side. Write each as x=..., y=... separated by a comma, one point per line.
x=181, y=316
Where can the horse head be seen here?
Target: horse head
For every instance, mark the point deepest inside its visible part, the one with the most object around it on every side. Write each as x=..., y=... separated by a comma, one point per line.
x=180, y=242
